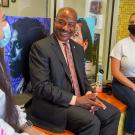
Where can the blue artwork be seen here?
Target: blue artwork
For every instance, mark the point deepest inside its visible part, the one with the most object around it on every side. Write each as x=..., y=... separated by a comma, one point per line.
x=84, y=35
x=24, y=31
x=91, y=24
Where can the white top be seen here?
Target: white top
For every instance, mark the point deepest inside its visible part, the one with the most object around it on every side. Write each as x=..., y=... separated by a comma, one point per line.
x=2, y=103
x=124, y=51
x=4, y=125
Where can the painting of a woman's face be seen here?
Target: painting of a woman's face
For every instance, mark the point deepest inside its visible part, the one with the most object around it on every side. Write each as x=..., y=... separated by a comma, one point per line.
x=78, y=36
x=15, y=55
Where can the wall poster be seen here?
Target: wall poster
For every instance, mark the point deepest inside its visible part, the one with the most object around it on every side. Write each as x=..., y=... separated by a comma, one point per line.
x=84, y=35
x=24, y=31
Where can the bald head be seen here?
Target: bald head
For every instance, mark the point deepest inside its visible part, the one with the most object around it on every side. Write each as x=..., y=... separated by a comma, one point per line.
x=64, y=24
x=66, y=11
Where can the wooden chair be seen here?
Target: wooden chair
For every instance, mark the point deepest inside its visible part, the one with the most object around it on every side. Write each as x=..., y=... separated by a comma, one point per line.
x=112, y=100
x=53, y=133
x=23, y=98
x=108, y=98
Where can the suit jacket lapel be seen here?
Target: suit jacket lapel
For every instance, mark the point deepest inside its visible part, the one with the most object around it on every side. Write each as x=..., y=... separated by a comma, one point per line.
x=59, y=55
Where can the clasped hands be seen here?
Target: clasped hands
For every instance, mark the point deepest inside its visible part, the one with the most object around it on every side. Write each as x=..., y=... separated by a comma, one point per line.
x=90, y=102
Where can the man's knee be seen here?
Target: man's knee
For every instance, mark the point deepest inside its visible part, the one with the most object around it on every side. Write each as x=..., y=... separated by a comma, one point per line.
x=91, y=126
x=81, y=119
x=92, y=121
x=96, y=122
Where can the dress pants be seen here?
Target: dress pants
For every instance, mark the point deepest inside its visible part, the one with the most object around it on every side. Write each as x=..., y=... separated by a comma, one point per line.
x=127, y=96
x=83, y=122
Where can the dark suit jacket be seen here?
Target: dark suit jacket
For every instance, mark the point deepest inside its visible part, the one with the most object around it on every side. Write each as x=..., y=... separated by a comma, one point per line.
x=51, y=82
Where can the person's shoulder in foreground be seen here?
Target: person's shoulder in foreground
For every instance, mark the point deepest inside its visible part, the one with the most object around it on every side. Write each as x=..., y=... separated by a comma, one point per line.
x=12, y=120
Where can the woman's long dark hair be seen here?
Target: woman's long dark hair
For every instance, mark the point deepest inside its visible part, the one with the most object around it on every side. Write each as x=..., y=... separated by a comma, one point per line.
x=86, y=36
x=11, y=114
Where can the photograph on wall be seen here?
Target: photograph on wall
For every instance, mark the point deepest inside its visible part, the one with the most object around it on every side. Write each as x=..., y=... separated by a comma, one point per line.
x=95, y=6
x=84, y=35
x=95, y=11
x=24, y=32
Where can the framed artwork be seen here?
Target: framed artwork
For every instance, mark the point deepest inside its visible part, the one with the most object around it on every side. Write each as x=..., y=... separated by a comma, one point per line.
x=4, y=3
x=84, y=35
x=24, y=31
x=95, y=7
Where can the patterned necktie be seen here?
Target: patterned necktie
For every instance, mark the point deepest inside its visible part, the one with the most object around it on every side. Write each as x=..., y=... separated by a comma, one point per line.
x=71, y=66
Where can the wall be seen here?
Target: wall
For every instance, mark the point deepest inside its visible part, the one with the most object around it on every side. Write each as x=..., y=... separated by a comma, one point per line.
x=33, y=8
x=78, y=5
x=126, y=8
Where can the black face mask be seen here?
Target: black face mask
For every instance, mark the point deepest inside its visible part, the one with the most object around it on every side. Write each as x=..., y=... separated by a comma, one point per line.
x=131, y=29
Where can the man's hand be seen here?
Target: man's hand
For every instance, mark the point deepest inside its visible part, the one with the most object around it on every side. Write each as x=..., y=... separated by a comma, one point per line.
x=95, y=108
x=101, y=104
x=89, y=100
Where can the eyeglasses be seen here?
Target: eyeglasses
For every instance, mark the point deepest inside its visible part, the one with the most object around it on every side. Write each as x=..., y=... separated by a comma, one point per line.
x=63, y=22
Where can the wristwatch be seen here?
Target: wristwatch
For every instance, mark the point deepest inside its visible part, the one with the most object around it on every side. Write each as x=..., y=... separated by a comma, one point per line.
x=28, y=124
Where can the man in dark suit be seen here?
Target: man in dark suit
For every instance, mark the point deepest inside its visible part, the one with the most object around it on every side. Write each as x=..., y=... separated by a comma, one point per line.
x=55, y=104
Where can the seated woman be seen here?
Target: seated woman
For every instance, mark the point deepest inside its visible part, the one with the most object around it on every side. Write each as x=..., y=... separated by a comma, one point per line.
x=12, y=119
x=123, y=71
